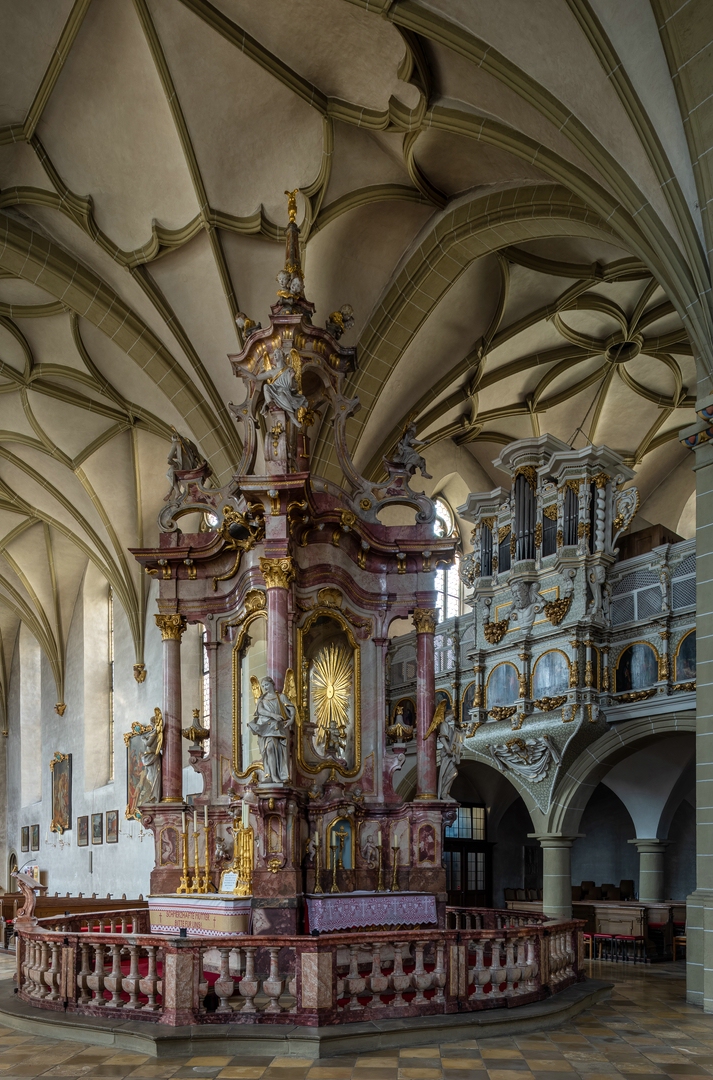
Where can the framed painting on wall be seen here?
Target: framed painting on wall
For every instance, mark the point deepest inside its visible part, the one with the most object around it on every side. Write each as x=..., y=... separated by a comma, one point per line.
x=25, y=838
x=61, y=767
x=34, y=838
x=112, y=826
x=83, y=830
x=97, y=828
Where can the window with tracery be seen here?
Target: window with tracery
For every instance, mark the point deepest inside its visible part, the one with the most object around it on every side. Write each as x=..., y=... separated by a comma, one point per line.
x=448, y=583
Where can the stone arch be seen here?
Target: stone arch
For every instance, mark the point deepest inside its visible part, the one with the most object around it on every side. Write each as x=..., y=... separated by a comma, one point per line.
x=573, y=791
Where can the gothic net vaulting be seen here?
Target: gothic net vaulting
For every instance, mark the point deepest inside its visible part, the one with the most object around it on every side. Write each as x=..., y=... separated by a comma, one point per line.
x=356, y=495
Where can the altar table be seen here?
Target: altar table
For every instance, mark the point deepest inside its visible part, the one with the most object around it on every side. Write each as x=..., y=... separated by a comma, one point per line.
x=358, y=910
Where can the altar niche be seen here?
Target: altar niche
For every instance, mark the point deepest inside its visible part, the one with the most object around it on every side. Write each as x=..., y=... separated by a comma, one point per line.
x=329, y=663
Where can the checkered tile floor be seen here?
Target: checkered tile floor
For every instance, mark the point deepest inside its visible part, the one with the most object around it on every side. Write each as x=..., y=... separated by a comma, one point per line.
x=646, y=1028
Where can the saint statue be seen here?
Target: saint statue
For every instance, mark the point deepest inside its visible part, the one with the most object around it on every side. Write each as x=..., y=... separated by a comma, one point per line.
x=450, y=741
x=274, y=716
x=406, y=455
x=280, y=388
x=184, y=456
x=149, y=785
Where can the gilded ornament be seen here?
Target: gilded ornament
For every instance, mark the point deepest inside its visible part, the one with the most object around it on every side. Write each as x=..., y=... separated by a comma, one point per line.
x=663, y=668
x=555, y=610
x=589, y=673
x=550, y=511
x=332, y=695
x=548, y=704
x=560, y=538
x=424, y=619
x=530, y=474
x=636, y=695
x=573, y=485
x=583, y=529
x=60, y=708
x=502, y=712
x=513, y=545
x=278, y=573
x=574, y=674
x=538, y=534
x=522, y=685
x=171, y=626
x=601, y=480
x=495, y=631
x=685, y=686
x=240, y=533
x=502, y=533
x=605, y=677
x=489, y=522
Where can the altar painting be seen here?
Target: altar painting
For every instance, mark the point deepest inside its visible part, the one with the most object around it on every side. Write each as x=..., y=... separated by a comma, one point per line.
x=61, y=767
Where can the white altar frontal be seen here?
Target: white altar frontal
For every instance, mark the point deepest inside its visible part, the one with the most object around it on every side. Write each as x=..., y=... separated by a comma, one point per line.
x=210, y=915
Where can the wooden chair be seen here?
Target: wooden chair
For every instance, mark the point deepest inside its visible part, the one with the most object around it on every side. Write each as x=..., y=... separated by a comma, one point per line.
x=679, y=941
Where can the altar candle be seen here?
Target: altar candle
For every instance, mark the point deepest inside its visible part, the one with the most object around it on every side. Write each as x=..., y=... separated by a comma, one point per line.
x=378, y=838
x=195, y=820
x=246, y=815
x=316, y=839
x=333, y=839
x=183, y=820
x=205, y=816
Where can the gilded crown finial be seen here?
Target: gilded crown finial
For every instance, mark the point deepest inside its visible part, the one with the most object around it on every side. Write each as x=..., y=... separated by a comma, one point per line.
x=292, y=204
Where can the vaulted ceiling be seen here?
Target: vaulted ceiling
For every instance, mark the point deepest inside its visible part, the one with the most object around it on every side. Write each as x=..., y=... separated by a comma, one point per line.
x=512, y=196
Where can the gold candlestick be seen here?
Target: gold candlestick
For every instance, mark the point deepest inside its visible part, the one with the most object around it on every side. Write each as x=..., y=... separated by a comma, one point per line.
x=207, y=885
x=317, y=864
x=335, y=887
x=185, y=884
x=395, y=868
x=196, y=883
x=245, y=842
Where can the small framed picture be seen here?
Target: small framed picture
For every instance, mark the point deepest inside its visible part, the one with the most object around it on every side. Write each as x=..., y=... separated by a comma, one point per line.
x=97, y=828
x=35, y=837
x=112, y=826
x=83, y=831
x=25, y=838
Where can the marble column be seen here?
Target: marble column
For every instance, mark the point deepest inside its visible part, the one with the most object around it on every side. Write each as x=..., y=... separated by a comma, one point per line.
x=426, y=774
x=278, y=574
x=699, y=911
x=172, y=627
x=651, y=853
x=212, y=650
x=556, y=874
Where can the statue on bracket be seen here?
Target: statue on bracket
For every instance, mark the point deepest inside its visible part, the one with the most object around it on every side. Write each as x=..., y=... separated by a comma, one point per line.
x=274, y=716
x=281, y=390
x=149, y=788
x=406, y=456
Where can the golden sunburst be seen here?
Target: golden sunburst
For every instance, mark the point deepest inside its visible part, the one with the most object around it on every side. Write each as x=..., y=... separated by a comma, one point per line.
x=331, y=693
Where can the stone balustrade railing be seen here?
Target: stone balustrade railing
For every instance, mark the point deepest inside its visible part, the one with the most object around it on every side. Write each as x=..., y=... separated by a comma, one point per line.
x=333, y=978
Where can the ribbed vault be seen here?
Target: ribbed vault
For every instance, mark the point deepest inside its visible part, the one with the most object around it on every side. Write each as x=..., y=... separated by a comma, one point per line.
x=506, y=193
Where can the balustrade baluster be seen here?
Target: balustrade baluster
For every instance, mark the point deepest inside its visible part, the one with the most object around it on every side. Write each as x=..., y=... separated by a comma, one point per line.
x=149, y=984
x=479, y=974
x=53, y=976
x=33, y=965
x=95, y=981
x=273, y=985
x=292, y=982
x=42, y=969
x=131, y=983
x=399, y=980
x=203, y=984
x=249, y=984
x=497, y=970
x=378, y=982
x=224, y=984
x=112, y=982
x=83, y=974
x=512, y=970
x=439, y=972
x=355, y=983
x=420, y=978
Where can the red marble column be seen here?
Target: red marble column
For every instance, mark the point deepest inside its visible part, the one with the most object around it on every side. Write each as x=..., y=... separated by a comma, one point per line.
x=426, y=773
x=278, y=574
x=171, y=627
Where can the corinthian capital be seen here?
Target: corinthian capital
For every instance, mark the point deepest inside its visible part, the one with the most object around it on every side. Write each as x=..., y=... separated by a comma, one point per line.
x=424, y=619
x=171, y=626
x=278, y=573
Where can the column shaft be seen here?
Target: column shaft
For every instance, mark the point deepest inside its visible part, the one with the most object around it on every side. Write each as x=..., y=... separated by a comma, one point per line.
x=651, y=868
x=172, y=627
x=426, y=772
x=556, y=875
x=278, y=574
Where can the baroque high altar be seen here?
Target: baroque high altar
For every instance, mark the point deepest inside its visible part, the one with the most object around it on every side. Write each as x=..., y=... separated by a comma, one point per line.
x=296, y=582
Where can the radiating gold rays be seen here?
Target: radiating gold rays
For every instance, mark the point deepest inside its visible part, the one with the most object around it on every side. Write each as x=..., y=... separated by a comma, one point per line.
x=331, y=693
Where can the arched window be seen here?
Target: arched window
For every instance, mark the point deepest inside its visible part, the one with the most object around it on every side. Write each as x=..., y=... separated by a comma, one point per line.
x=204, y=688
x=448, y=583
x=110, y=662
x=637, y=668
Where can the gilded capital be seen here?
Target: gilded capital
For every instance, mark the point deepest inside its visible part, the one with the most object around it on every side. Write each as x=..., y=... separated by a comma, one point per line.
x=424, y=619
x=171, y=626
x=278, y=573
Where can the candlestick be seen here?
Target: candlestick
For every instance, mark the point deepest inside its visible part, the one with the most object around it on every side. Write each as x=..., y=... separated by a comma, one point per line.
x=317, y=863
x=185, y=885
x=196, y=883
x=395, y=867
x=207, y=885
x=205, y=816
x=333, y=843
